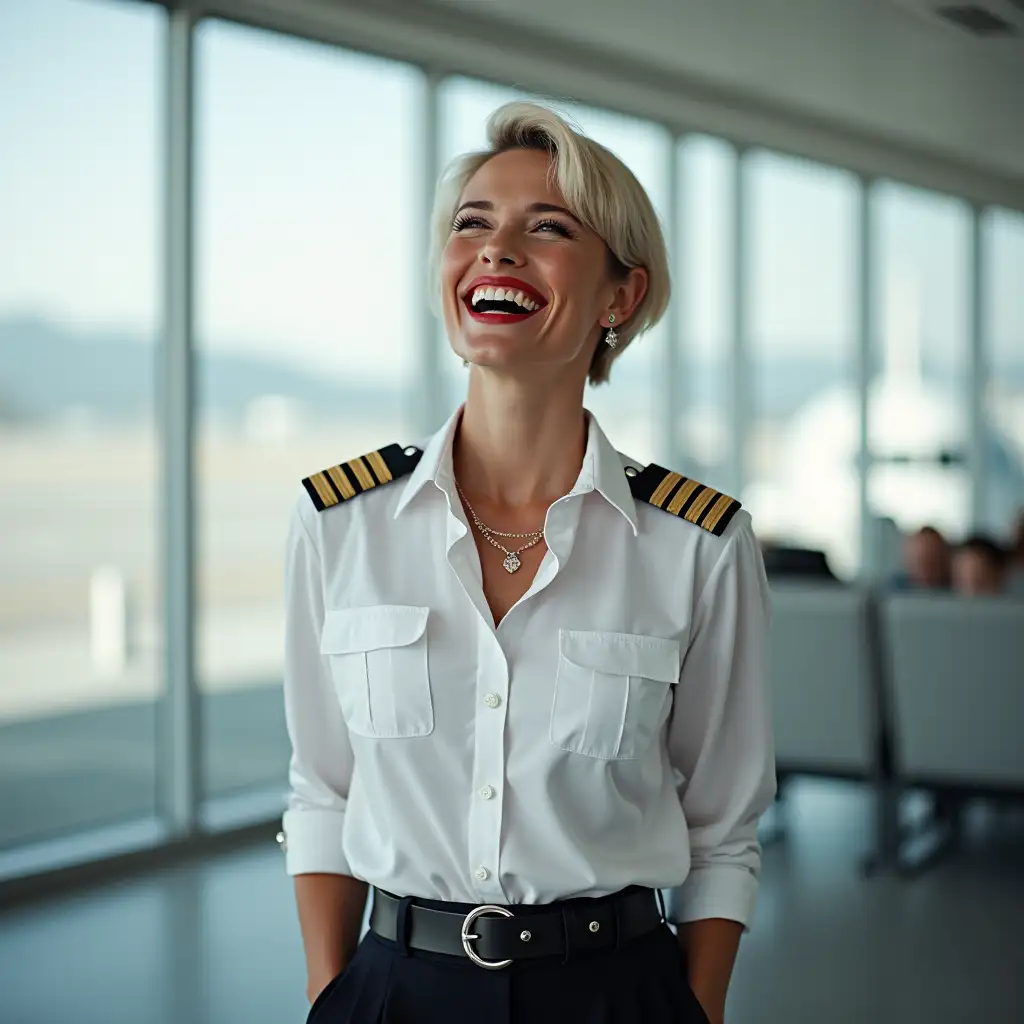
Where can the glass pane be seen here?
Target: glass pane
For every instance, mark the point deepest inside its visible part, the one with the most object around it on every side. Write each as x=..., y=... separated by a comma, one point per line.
x=703, y=303
x=79, y=589
x=1005, y=400
x=307, y=326
x=801, y=449
x=918, y=420
x=627, y=406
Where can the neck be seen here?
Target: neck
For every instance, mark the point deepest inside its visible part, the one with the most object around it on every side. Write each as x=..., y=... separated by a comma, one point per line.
x=518, y=446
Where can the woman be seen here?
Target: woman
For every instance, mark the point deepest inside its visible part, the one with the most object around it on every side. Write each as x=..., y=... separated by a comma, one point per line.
x=523, y=679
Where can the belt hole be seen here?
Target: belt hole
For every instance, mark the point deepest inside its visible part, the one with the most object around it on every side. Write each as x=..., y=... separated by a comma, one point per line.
x=525, y=936
x=595, y=926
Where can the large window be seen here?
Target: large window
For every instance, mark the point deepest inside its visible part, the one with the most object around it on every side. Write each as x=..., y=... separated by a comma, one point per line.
x=703, y=306
x=79, y=616
x=307, y=332
x=626, y=406
x=918, y=423
x=1004, y=315
x=801, y=445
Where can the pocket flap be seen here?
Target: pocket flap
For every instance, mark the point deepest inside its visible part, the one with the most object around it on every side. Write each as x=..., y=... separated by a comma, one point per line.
x=348, y=630
x=624, y=654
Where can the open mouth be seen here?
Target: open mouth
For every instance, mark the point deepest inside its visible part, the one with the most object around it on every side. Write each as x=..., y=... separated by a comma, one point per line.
x=504, y=300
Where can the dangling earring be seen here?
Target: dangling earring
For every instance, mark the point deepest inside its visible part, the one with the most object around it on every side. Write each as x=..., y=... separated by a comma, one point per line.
x=611, y=339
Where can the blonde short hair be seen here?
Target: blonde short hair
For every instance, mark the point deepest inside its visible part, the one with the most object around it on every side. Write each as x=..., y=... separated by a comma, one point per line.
x=597, y=187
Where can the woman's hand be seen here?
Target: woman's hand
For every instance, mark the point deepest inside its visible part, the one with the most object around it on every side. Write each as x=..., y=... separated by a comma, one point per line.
x=316, y=985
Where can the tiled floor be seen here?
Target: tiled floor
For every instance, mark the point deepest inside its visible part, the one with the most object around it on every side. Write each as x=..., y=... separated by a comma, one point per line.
x=219, y=942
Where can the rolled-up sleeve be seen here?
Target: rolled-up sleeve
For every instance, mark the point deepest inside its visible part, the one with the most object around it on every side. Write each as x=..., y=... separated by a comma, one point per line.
x=320, y=770
x=720, y=737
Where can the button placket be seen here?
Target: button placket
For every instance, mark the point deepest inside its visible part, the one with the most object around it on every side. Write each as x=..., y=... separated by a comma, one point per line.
x=485, y=810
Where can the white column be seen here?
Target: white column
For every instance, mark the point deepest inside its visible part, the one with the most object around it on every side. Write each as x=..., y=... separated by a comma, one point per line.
x=429, y=397
x=866, y=313
x=178, y=747
x=976, y=385
x=740, y=397
x=673, y=362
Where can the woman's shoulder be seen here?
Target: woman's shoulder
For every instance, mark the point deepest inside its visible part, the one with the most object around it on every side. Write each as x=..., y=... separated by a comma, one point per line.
x=684, y=498
x=339, y=483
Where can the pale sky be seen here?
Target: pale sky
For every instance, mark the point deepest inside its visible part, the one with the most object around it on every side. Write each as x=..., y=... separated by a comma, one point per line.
x=307, y=188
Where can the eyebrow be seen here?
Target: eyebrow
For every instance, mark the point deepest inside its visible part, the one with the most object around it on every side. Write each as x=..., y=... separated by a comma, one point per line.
x=483, y=204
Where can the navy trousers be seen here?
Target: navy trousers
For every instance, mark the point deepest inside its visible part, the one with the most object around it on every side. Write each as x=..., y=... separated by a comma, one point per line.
x=643, y=982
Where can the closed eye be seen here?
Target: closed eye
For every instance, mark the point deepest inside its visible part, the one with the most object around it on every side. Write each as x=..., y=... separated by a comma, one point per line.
x=557, y=226
x=461, y=223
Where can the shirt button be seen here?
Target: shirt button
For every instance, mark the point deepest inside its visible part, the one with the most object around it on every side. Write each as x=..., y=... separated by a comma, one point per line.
x=486, y=792
x=482, y=874
x=492, y=700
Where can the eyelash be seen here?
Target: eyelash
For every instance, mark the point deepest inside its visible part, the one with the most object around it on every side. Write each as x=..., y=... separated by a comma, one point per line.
x=463, y=222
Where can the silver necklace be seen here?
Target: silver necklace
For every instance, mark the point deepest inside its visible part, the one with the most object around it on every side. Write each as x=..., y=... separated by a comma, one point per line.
x=512, y=561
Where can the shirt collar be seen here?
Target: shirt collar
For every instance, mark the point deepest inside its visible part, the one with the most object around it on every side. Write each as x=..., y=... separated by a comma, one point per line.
x=435, y=466
x=602, y=470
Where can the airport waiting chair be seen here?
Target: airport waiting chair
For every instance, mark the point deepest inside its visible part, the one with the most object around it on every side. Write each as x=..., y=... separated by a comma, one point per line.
x=827, y=702
x=823, y=681
x=955, y=672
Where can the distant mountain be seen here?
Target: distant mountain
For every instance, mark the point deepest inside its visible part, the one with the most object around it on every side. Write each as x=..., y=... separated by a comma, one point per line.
x=46, y=372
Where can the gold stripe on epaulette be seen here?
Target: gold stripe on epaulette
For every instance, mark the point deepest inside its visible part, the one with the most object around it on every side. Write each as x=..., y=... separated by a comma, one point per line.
x=664, y=489
x=682, y=496
x=342, y=482
x=380, y=467
x=693, y=513
x=717, y=511
x=362, y=473
x=324, y=489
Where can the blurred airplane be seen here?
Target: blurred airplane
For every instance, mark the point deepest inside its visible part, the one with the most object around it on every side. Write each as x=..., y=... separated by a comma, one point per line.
x=918, y=469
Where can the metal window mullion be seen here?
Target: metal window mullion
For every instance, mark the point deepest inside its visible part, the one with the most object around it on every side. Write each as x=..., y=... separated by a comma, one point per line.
x=977, y=371
x=739, y=356
x=673, y=358
x=866, y=318
x=430, y=404
x=178, y=711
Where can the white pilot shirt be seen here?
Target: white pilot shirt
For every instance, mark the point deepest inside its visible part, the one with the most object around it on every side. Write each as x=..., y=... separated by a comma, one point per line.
x=611, y=730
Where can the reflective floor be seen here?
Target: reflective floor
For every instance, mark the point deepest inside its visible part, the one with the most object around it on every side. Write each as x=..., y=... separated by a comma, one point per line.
x=219, y=941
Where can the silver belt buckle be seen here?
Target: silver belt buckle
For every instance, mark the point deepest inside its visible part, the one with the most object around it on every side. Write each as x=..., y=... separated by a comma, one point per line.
x=468, y=937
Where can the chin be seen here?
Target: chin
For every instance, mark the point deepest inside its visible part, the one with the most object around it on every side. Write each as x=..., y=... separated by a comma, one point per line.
x=491, y=351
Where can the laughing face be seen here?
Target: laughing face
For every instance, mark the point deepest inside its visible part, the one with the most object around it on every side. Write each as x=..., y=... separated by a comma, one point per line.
x=525, y=284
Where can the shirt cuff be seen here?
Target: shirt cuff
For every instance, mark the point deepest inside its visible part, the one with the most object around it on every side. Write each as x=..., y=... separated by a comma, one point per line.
x=715, y=891
x=312, y=842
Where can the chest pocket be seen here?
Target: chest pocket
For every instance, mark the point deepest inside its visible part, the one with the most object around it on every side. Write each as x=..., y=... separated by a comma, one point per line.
x=612, y=692
x=378, y=658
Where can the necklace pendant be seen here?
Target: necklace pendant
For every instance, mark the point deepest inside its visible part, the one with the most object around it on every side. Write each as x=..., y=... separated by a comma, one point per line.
x=511, y=562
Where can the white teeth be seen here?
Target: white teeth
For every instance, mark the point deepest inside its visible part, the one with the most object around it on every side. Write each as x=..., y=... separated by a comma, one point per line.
x=487, y=294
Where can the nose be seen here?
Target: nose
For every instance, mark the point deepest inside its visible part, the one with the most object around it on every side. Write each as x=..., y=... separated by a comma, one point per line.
x=499, y=251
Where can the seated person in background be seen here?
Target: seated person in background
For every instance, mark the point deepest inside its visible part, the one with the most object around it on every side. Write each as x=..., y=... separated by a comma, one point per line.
x=926, y=560
x=1015, y=566
x=979, y=567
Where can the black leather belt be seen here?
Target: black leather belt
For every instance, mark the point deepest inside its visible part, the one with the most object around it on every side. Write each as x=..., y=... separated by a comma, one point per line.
x=495, y=936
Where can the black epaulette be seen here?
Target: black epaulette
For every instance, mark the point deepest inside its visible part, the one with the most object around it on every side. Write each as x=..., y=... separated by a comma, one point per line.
x=336, y=484
x=688, y=499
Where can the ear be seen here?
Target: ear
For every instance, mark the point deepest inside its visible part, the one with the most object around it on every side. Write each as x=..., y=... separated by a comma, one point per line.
x=628, y=294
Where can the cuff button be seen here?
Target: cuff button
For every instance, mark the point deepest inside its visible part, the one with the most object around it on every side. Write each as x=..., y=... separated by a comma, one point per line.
x=282, y=840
